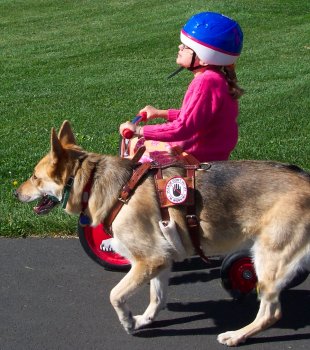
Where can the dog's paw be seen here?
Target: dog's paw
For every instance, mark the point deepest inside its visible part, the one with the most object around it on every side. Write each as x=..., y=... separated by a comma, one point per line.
x=141, y=321
x=129, y=323
x=129, y=329
x=107, y=245
x=231, y=338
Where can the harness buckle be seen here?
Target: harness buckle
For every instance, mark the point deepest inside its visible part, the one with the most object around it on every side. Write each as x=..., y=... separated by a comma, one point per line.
x=125, y=201
x=192, y=220
x=204, y=166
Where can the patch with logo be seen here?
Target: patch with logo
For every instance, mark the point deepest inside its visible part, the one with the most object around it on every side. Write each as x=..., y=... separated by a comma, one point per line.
x=176, y=190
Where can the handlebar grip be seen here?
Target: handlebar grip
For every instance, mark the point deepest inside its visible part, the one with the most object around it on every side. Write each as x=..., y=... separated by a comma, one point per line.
x=127, y=133
x=143, y=116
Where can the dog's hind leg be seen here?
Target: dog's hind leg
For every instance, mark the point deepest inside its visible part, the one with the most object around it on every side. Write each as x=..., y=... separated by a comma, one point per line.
x=140, y=273
x=269, y=312
x=270, y=273
x=158, y=298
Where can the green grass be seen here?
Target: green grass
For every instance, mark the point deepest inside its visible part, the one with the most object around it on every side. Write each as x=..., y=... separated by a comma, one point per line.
x=96, y=63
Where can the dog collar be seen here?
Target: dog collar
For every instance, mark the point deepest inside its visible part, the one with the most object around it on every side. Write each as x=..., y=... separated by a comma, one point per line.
x=65, y=194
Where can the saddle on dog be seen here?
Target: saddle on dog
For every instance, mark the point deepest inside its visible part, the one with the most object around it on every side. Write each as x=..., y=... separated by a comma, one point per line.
x=176, y=190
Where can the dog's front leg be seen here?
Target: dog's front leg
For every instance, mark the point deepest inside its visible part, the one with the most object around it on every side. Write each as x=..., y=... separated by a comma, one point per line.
x=139, y=274
x=158, y=298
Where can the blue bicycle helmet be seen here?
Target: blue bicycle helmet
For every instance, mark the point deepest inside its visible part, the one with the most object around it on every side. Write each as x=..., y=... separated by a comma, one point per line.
x=215, y=38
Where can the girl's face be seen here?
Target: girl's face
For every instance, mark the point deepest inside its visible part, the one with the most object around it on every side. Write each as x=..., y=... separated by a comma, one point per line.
x=185, y=56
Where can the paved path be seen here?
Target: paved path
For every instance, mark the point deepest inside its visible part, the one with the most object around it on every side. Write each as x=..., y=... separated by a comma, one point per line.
x=52, y=296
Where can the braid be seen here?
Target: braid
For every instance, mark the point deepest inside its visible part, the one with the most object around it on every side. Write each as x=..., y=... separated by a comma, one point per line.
x=231, y=77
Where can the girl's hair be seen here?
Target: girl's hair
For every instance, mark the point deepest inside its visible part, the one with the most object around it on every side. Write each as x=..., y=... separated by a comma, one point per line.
x=234, y=89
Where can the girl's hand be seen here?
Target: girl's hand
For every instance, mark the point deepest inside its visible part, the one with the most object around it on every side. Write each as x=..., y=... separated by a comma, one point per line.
x=128, y=130
x=127, y=125
x=151, y=112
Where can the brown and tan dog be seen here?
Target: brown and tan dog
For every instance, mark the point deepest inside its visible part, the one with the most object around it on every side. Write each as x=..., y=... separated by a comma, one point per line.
x=235, y=200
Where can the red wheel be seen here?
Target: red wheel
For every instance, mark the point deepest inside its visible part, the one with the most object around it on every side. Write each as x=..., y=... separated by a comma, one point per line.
x=91, y=238
x=239, y=277
x=238, y=274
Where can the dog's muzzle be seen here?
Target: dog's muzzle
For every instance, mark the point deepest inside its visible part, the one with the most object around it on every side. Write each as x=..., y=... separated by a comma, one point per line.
x=45, y=205
x=22, y=198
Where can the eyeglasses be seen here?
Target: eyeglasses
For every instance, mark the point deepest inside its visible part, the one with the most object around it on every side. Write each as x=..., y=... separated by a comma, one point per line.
x=184, y=47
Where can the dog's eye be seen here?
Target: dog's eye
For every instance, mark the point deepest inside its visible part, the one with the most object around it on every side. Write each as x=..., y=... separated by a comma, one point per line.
x=34, y=177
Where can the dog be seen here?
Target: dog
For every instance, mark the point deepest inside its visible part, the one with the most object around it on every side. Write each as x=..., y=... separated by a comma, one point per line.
x=267, y=202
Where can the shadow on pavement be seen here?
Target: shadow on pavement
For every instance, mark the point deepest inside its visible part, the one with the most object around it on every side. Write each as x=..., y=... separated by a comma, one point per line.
x=231, y=314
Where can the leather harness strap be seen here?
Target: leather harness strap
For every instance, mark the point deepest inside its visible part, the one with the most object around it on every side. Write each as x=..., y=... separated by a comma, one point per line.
x=138, y=154
x=87, y=190
x=125, y=194
x=163, y=210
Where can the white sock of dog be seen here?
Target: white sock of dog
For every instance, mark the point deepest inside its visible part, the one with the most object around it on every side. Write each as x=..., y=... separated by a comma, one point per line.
x=107, y=245
x=171, y=234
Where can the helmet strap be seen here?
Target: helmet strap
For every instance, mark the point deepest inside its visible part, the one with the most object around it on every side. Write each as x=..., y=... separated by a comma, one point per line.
x=192, y=67
x=175, y=72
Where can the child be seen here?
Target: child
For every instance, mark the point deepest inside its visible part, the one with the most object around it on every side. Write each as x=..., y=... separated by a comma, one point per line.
x=206, y=125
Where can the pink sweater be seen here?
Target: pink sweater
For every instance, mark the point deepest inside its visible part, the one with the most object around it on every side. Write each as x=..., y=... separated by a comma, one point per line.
x=206, y=125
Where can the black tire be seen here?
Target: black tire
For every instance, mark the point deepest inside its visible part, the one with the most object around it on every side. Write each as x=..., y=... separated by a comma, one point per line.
x=238, y=275
x=298, y=279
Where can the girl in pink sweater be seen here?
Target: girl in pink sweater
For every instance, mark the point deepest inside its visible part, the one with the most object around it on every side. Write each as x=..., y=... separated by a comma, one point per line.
x=206, y=125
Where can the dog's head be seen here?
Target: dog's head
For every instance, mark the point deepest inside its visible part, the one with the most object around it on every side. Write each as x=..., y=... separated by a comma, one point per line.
x=52, y=173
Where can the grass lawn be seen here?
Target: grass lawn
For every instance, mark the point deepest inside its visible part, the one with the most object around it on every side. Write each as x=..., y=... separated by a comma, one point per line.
x=96, y=63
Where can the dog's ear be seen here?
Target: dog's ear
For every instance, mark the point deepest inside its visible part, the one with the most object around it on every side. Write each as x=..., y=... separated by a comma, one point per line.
x=56, y=147
x=65, y=134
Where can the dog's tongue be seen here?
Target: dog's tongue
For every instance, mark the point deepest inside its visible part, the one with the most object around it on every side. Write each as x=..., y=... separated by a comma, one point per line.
x=45, y=205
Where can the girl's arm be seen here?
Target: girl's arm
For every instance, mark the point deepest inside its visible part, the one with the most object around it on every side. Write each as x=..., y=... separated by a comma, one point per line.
x=194, y=115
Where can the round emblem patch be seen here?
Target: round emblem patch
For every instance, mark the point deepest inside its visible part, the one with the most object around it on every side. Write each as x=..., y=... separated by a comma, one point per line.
x=176, y=190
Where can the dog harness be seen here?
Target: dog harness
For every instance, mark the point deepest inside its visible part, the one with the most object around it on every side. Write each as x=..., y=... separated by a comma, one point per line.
x=176, y=190
x=179, y=190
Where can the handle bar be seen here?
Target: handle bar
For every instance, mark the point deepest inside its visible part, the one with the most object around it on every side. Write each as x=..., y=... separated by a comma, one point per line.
x=127, y=133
